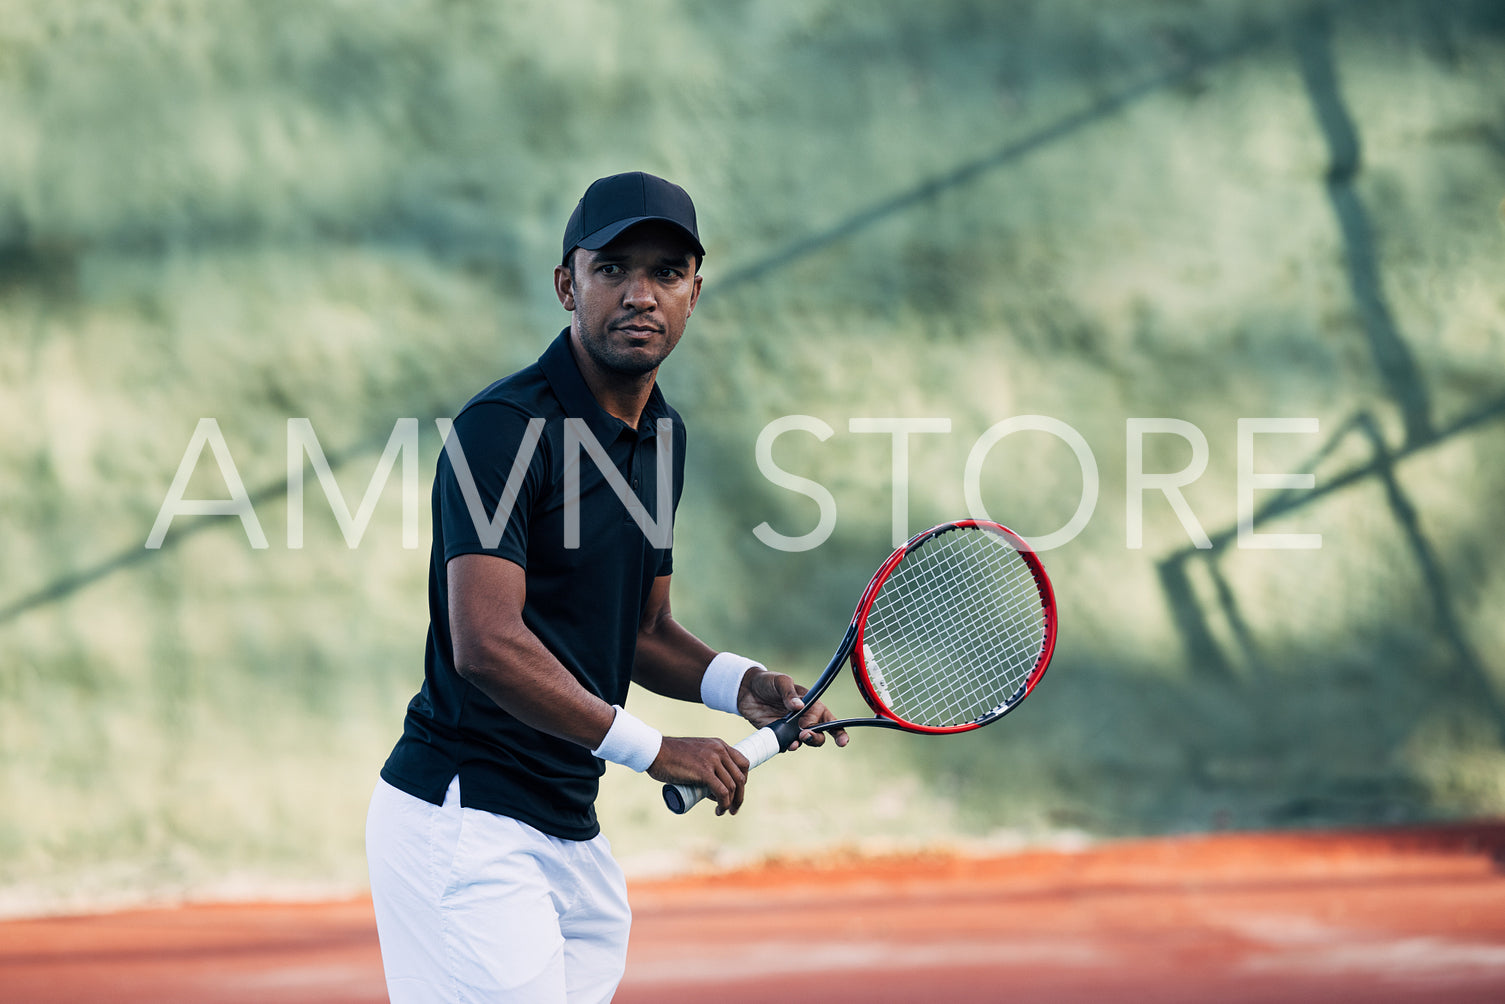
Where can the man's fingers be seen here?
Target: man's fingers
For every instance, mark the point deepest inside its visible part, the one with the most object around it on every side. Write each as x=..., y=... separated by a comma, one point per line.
x=725, y=788
x=730, y=799
x=732, y=770
x=789, y=693
x=738, y=793
x=814, y=715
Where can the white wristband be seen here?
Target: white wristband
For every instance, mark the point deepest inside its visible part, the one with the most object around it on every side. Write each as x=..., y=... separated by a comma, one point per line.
x=723, y=681
x=630, y=741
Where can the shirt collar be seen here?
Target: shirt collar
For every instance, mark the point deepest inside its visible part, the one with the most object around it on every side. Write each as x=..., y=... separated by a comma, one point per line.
x=560, y=369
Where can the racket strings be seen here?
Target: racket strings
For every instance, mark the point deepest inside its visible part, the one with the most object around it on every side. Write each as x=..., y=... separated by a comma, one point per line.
x=947, y=662
x=984, y=667
x=956, y=631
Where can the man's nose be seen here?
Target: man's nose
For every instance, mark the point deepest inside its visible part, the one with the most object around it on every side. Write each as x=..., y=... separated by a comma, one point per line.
x=639, y=294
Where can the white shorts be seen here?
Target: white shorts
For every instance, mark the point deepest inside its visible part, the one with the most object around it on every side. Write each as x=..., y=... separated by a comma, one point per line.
x=473, y=906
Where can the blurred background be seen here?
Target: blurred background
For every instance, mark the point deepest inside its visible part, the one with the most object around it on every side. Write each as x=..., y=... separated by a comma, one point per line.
x=257, y=210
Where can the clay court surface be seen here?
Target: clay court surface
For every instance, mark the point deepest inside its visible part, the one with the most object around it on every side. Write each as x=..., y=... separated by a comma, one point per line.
x=1395, y=915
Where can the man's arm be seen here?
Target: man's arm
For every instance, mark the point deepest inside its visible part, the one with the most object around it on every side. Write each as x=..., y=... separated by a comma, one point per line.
x=671, y=661
x=497, y=653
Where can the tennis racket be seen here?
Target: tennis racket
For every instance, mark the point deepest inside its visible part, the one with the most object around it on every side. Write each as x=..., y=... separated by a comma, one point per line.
x=953, y=632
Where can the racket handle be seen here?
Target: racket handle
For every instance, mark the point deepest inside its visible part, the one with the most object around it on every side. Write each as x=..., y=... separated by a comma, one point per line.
x=760, y=747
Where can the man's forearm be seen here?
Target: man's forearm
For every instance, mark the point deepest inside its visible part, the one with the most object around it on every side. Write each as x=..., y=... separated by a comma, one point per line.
x=524, y=679
x=671, y=660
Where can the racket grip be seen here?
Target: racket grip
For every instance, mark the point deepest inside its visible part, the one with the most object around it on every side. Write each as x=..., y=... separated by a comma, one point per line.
x=760, y=747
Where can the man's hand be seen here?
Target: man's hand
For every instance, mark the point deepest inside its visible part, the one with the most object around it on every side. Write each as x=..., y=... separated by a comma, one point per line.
x=710, y=762
x=766, y=697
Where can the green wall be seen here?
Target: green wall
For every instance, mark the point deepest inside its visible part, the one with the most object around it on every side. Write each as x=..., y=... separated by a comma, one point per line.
x=256, y=211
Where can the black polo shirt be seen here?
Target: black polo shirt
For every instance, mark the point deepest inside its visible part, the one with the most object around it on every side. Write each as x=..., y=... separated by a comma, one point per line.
x=590, y=566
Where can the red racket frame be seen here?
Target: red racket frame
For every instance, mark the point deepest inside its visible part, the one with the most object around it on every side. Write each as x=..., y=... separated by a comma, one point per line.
x=778, y=736
x=852, y=647
x=860, y=672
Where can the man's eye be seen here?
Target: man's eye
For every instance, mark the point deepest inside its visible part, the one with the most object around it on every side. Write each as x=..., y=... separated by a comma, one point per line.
x=611, y=269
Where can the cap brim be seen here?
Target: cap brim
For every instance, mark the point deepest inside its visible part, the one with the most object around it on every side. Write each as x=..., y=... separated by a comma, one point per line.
x=607, y=234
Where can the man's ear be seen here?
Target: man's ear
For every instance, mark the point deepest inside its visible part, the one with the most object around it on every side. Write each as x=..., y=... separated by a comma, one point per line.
x=564, y=287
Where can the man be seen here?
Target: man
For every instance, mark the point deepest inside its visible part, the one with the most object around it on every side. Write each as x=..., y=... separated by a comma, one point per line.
x=549, y=593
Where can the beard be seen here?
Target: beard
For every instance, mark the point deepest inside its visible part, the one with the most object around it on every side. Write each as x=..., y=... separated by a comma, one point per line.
x=617, y=352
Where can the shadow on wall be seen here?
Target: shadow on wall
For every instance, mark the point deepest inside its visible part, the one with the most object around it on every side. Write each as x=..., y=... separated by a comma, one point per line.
x=1232, y=725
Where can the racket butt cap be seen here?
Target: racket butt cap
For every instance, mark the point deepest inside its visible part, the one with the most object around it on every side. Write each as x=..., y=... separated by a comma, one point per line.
x=674, y=800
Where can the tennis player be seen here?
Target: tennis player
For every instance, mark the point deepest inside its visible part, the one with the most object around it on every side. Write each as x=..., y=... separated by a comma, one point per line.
x=548, y=594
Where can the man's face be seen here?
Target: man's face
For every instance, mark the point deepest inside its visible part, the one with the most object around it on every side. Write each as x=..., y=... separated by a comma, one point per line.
x=631, y=299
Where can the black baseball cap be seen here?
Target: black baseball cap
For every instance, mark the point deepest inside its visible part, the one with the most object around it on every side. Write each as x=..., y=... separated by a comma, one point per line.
x=611, y=205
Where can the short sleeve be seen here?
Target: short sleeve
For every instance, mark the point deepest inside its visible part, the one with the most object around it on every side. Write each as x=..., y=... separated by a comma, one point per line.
x=490, y=473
